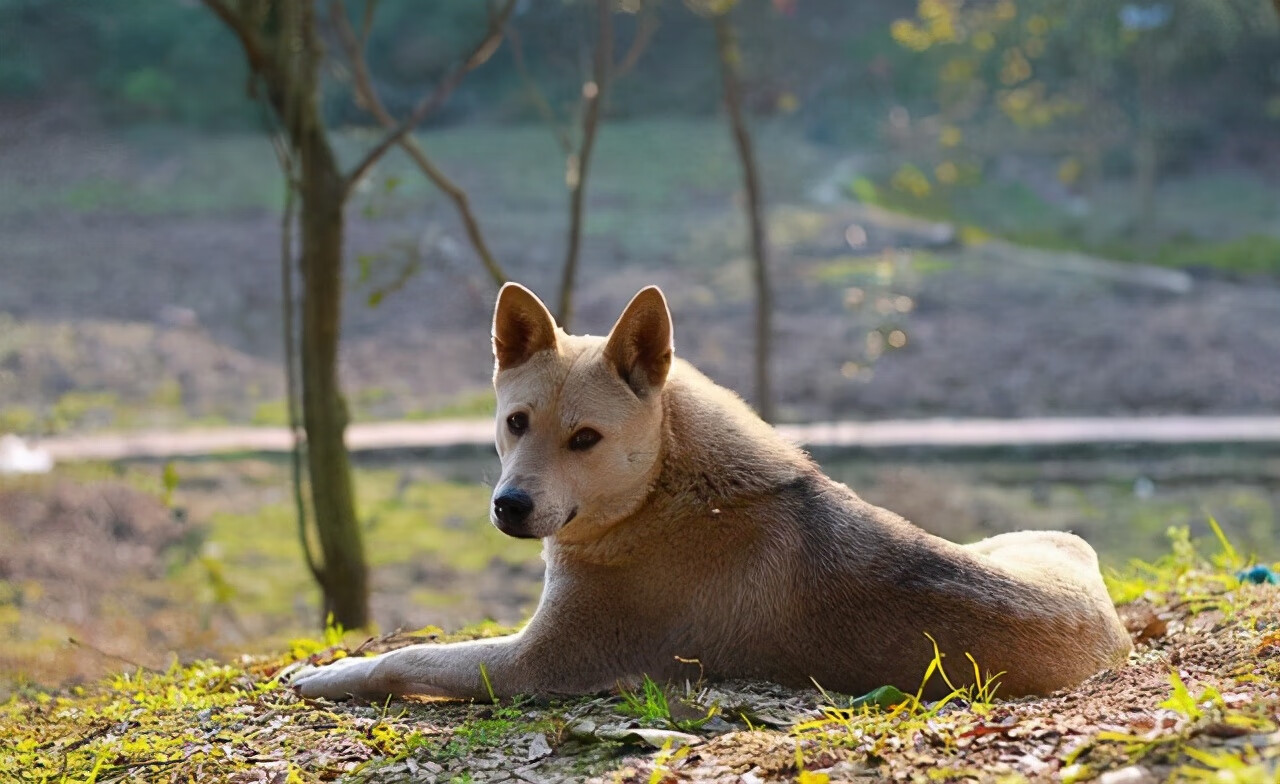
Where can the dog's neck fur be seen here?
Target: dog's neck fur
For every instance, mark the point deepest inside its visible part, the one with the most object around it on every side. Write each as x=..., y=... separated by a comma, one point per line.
x=723, y=458
x=723, y=453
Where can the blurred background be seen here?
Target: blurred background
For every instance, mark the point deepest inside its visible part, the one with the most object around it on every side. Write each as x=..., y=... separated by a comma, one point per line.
x=968, y=209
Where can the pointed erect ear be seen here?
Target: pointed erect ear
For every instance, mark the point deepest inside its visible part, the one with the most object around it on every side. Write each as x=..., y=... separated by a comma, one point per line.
x=639, y=345
x=522, y=326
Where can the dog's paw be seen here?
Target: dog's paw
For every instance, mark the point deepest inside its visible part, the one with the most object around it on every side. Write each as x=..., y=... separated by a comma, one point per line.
x=344, y=678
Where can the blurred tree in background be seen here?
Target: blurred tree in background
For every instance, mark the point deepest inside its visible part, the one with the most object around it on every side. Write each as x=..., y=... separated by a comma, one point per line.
x=729, y=55
x=281, y=43
x=837, y=67
x=1105, y=88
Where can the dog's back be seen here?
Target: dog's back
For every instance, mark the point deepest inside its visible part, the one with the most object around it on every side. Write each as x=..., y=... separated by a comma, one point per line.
x=782, y=573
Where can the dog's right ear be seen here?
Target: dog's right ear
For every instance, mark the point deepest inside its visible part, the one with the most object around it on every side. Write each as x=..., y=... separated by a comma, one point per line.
x=522, y=326
x=639, y=346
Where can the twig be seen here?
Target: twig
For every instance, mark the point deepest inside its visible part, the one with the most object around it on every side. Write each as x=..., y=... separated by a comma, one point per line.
x=436, y=98
x=594, y=93
x=82, y=740
x=115, y=657
x=253, y=51
x=538, y=97
x=646, y=26
x=120, y=770
x=366, y=22
x=369, y=99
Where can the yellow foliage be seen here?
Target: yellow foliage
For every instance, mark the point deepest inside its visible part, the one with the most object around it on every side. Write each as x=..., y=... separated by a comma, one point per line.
x=958, y=69
x=1016, y=67
x=906, y=33
x=909, y=179
x=1069, y=171
x=1037, y=25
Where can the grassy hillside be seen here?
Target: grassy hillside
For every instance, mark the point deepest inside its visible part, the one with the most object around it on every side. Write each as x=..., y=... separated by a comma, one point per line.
x=1198, y=701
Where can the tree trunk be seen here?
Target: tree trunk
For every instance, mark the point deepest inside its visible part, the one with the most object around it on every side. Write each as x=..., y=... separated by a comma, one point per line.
x=282, y=46
x=730, y=57
x=323, y=191
x=580, y=162
x=324, y=412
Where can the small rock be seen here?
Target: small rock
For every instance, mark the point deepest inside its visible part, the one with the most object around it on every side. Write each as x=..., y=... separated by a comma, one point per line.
x=1033, y=764
x=583, y=729
x=1134, y=774
x=538, y=748
x=530, y=774
x=1143, y=488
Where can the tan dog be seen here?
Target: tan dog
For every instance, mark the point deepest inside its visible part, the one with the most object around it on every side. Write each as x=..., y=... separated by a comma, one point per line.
x=678, y=526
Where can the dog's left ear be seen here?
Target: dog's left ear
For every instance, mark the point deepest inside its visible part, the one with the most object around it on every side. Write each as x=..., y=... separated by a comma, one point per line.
x=522, y=326
x=639, y=345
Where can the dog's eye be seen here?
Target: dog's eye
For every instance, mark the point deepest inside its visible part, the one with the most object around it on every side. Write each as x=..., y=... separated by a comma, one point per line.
x=584, y=439
x=517, y=423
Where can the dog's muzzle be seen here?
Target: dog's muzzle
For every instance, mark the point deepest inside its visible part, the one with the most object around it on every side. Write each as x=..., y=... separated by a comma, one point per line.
x=511, y=510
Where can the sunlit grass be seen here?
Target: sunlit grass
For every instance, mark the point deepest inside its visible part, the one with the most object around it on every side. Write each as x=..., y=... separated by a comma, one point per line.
x=256, y=555
x=1201, y=579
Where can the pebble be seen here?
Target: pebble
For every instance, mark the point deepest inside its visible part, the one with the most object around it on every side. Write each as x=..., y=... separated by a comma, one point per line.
x=538, y=748
x=1134, y=774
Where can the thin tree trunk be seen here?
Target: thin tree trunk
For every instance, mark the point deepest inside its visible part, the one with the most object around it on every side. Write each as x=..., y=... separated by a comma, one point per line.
x=324, y=412
x=578, y=164
x=323, y=190
x=281, y=44
x=287, y=321
x=730, y=58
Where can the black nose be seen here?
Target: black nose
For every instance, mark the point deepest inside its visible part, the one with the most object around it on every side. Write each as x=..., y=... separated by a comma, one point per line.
x=511, y=509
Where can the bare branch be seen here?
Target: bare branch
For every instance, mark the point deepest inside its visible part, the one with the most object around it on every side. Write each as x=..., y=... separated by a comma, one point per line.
x=354, y=49
x=366, y=22
x=593, y=94
x=436, y=98
x=367, y=97
x=538, y=97
x=646, y=26
x=253, y=50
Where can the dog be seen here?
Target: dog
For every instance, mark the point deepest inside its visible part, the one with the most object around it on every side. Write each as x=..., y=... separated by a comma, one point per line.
x=684, y=537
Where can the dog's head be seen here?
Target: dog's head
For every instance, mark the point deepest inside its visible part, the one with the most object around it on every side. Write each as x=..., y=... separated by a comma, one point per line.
x=579, y=424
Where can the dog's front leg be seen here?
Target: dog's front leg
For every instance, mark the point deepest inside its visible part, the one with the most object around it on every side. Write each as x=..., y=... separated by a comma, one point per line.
x=464, y=670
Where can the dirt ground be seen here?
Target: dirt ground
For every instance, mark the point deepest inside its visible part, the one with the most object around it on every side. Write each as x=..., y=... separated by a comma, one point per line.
x=1198, y=700
x=166, y=308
